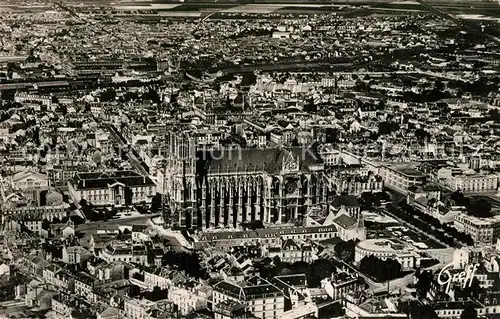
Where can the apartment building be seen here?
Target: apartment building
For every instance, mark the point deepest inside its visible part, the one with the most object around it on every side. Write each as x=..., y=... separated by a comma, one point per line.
x=473, y=183
x=263, y=299
x=187, y=301
x=482, y=230
x=401, y=177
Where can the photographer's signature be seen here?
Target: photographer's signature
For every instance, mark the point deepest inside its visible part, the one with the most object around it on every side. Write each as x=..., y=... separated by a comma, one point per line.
x=465, y=277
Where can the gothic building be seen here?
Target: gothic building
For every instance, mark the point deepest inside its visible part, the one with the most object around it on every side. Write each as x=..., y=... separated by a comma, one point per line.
x=226, y=187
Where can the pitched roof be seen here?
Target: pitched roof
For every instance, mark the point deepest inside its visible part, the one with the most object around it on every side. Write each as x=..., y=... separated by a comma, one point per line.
x=102, y=180
x=344, y=221
x=345, y=200
x=269, y=159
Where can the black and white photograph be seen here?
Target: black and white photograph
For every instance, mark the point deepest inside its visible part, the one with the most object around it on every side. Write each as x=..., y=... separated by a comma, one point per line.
x=249, y=159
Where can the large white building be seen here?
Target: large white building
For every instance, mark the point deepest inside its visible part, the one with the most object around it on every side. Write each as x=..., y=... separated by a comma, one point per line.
x=269, y=236
x=387, y=249
x=482, y=230
x=187, y=301
x=401, y=177
x=473, y=183
x=112, y=188
x=125, y=252
x=263, y=299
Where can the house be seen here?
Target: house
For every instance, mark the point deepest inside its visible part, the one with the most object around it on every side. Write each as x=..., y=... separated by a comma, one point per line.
x=349, y=228
x=55, y=276
x=340, y=284
x=295, y=251
x=84, y=286
x=36, y=265
x=64, y=230
x=187, y=301
x=110, y=313
x=229, y=309
x=294, y=288
x=263, y=299
x=139, y=233
x=75, y=255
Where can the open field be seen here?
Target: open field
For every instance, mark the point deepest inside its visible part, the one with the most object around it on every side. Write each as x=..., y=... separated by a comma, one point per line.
x=466, y=10
x=487, y=11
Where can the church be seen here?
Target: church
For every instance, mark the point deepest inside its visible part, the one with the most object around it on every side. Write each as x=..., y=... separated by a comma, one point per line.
x=225, y=188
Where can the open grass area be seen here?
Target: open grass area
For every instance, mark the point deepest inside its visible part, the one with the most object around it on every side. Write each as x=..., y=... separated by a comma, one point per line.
x=399, y=6
x=204, y=7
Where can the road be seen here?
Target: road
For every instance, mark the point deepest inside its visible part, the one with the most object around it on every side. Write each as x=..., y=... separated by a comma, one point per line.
x=402, y=283
x=138, y=220
x=134, y=161
x=175, y=240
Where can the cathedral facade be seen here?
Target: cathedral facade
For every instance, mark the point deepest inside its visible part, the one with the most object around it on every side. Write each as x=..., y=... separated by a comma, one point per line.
x=227, y=187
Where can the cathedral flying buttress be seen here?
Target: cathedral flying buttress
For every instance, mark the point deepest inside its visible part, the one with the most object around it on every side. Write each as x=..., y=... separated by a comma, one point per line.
x=224, y=190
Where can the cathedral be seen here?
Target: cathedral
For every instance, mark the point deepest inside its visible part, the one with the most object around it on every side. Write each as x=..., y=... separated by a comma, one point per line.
x=227, y=187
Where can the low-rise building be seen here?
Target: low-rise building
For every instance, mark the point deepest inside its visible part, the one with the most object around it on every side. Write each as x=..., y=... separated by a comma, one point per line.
x=341, y=284
x=269, y=236
x=125, y=252
x=474, y=183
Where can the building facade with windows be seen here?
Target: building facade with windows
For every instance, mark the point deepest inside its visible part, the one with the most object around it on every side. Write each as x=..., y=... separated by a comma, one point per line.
x=261, y=298
x=482, y=230
x=112, y=188
x=225, y=187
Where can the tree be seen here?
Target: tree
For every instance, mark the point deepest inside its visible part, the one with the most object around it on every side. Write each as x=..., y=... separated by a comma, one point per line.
x=469, y=312
x=438, y=84
x=152, y=95
x=381, y=270
x=319, y=270
x=479, y=207
x=332, y=135
x=424, y=283
x=108, y=95
x=128, y=196
x=156, y=203
x=494, y=115
x=97, y=157
x=345, y=250
x=45, y=224
x=459, y=198
x=416, y=309
x=157, y=294
x=474, y=291
x=386, y=128
x=421, y=135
